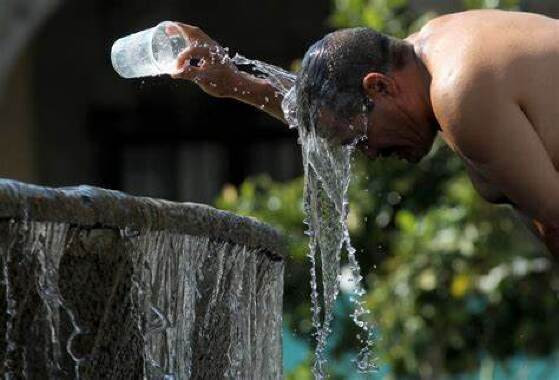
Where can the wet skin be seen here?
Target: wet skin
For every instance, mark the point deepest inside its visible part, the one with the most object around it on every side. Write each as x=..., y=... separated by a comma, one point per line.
x=373, y=140
x=495, y=97
x=487, y=82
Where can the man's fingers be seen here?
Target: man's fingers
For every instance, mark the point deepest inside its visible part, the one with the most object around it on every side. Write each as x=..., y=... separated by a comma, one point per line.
x=182, y=58
x=187, y=72
x=195, y=53
x=191, y=63
x=190, y=30
x=172, y=30
x=187, y=27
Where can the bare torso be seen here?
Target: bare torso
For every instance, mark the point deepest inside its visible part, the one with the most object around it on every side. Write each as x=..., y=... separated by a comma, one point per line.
x=494, y=91
x=516, y=52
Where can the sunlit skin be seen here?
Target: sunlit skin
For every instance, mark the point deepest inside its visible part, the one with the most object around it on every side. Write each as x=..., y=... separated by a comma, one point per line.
x=401, y=124
x=486, y=81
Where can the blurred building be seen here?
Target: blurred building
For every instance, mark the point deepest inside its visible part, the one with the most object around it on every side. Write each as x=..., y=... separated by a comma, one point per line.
x=67, y=118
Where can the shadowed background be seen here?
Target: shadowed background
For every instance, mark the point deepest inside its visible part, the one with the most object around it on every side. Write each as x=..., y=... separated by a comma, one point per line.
x=456, y=286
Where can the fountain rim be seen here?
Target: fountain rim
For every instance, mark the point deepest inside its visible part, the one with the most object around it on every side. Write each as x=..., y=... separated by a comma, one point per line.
x=91, y=206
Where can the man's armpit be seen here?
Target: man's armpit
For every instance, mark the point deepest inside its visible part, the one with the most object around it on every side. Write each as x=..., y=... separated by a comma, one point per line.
x=505, y=149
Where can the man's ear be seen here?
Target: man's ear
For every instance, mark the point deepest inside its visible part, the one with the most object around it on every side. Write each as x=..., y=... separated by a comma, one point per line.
x=377, y=84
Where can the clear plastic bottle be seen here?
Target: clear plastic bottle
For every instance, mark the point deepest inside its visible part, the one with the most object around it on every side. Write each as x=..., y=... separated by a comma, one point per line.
x=149, y=52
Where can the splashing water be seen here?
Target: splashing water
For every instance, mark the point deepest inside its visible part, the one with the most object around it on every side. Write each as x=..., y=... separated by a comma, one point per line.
x=42, y=246
x=327, y=169
x=281, y=79
x=99, y=303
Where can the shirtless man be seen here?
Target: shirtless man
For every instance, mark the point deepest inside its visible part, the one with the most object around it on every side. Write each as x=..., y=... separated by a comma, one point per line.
x=487, y=81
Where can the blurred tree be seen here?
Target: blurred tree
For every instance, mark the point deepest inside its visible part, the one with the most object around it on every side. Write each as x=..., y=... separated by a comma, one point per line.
x=450, y=276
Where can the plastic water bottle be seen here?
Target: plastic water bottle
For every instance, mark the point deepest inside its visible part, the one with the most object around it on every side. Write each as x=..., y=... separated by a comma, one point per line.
x=149, y=52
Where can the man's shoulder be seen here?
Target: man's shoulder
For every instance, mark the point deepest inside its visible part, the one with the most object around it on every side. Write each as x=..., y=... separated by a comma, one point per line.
x=457, y=91
x=464, y=99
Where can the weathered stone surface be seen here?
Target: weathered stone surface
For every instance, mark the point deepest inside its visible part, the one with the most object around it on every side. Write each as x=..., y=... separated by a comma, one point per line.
x=90, y=206
x=104, y=285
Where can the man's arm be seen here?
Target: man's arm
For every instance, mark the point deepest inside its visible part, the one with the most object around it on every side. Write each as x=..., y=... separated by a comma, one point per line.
x=494, y=135
x=549, y=238
x=208, y=65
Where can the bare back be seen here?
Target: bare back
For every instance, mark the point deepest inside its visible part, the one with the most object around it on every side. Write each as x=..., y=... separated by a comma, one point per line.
x=495, y=54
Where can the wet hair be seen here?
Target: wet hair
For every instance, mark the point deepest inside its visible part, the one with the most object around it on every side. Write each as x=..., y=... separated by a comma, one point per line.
x=333, y=69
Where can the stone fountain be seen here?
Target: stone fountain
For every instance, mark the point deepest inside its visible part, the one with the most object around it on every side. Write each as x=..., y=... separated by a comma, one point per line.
x=97, y=284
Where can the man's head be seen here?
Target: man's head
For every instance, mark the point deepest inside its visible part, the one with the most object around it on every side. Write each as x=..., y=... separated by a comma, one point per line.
x=361, y=83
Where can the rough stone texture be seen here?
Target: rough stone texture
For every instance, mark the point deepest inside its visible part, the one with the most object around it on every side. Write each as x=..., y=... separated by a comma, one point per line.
x=155, y=288
x=91, y=206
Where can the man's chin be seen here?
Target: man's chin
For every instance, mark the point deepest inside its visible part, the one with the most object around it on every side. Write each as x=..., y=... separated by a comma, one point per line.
x=408, y=159
x=414, y=156
x=410, y=156
x=414, y=159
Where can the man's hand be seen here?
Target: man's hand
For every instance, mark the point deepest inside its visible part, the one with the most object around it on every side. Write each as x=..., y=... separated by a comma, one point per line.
x=208, y=65
x=204, y=62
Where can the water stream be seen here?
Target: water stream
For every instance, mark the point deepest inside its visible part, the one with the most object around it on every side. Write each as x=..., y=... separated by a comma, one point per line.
x=86, y=303
x=327, y=170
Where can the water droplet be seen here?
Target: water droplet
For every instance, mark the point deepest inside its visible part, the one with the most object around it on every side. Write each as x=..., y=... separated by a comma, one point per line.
x=130, y=232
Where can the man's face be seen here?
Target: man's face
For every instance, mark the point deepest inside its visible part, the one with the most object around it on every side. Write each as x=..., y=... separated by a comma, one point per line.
x=341, y=131
x=378, y=133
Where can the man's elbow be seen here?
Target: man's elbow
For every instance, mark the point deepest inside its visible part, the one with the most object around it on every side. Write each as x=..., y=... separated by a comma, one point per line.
x=549, y=234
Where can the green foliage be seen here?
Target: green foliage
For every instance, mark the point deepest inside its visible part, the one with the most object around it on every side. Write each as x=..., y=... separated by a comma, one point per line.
x=279, y=204
x=397, y=17
x=449, y=276
x=390, y=16
x=302, y=372
x=491, y=4
x=461, y=279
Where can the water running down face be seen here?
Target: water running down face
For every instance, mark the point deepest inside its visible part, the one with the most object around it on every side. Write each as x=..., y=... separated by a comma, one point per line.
x=374, y=136
x=353, y=91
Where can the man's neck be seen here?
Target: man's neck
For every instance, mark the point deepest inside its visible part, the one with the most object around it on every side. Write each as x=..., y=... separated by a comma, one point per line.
x=416, y=77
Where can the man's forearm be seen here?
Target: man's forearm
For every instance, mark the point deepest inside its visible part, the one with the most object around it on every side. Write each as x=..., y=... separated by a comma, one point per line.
x=257, y=92
x=208, y=65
